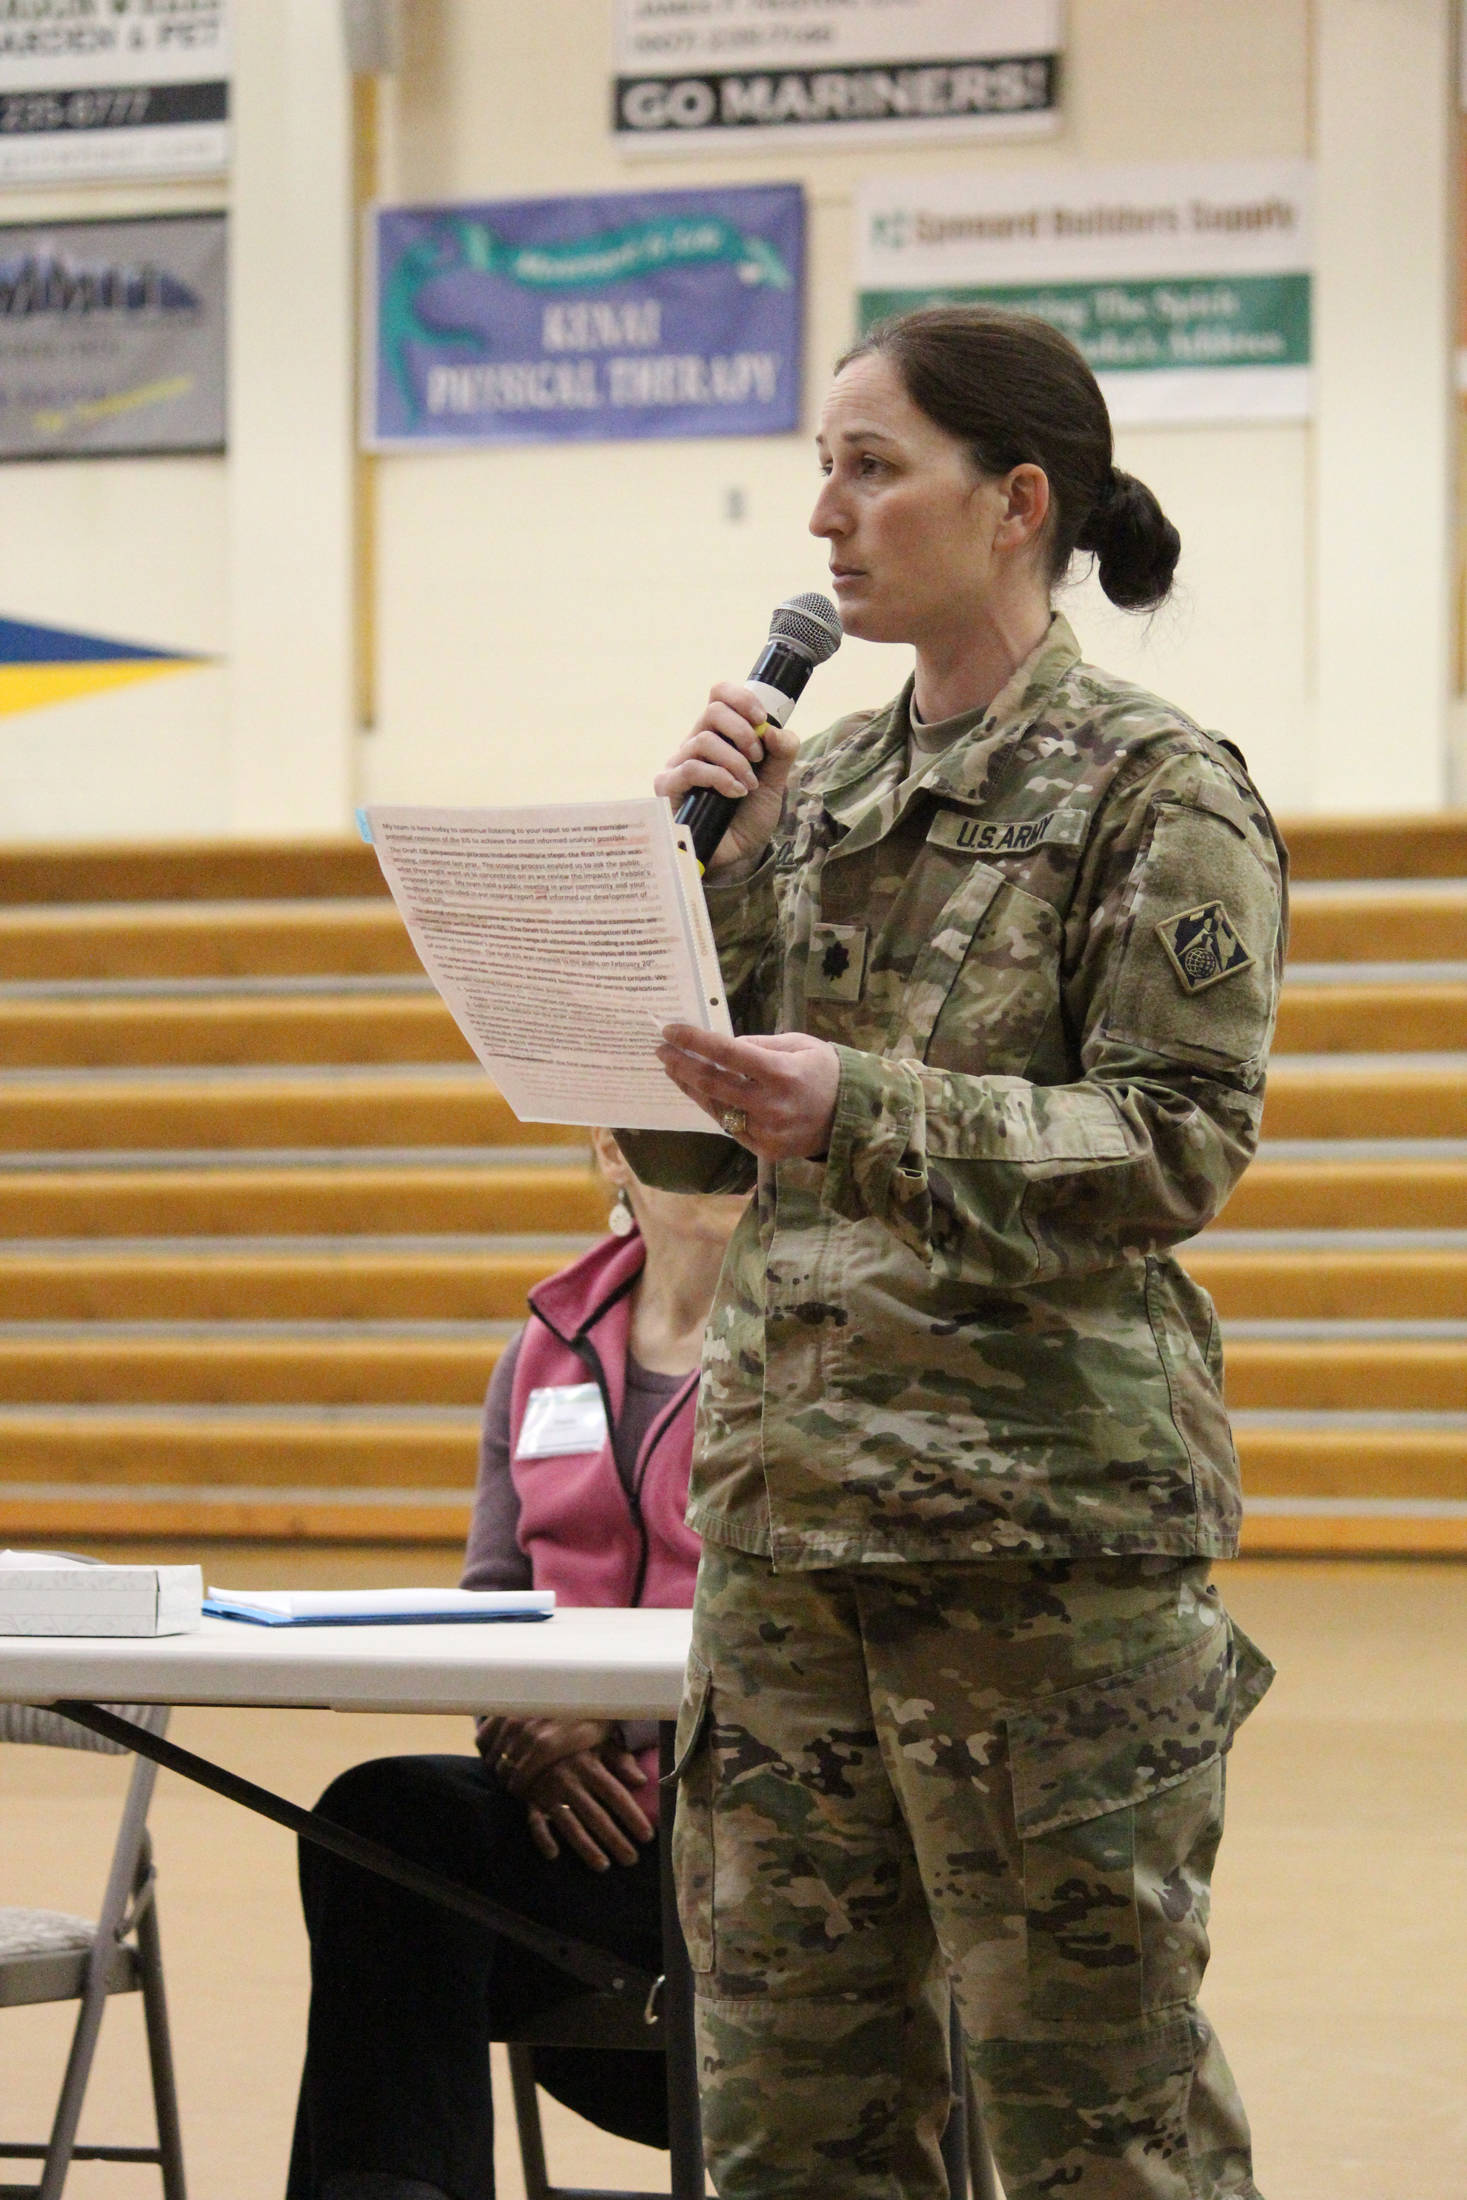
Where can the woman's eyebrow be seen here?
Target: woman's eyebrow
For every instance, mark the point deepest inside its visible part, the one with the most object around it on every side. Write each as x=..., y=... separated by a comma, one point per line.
x=858, y=434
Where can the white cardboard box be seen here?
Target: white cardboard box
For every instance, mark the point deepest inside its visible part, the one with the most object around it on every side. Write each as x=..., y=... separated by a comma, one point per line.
x=42, y=1593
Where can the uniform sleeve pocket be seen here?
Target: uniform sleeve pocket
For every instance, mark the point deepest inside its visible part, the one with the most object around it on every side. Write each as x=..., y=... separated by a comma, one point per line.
x=1196, y=979
x=1118, y=1789
x=692, y=1833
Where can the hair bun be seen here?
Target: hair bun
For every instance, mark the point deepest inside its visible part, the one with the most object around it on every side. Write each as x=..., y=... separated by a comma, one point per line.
x=1135, y=543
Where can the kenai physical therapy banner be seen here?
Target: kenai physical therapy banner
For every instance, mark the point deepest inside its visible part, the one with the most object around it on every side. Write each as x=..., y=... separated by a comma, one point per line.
x=112, y=337
x=714, y=73
x=648, y=313
x=1188, y=289
x=91, y=89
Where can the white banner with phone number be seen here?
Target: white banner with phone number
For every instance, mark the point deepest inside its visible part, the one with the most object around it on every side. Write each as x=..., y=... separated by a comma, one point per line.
x=132, y=89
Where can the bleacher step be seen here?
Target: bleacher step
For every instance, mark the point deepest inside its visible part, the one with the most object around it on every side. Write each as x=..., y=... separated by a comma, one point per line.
x=201, y=939
x=302, y=1202
x=1325, y=1194
x=93, y=1363
x=348, y=1107
x=1349, y=1455
x=213, y=1281
x=402, y=1447
x=166, y=1030
x=100, y=1363
x=190, y=870
x=68, y=1512
x=1380, y=921
x=1413, y=1285
x=321, y=1027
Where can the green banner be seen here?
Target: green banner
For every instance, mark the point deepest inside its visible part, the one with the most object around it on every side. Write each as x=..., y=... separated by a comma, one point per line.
x=1134, y=327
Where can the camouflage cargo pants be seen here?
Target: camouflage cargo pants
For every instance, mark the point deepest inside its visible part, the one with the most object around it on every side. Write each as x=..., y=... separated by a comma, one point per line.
x=1009, y=1775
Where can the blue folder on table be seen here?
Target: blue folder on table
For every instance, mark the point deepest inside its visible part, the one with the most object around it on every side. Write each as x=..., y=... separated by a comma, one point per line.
x=376, y=1607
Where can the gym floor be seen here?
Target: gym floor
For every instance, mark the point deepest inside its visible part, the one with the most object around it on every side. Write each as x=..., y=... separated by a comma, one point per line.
x=1339, y=1978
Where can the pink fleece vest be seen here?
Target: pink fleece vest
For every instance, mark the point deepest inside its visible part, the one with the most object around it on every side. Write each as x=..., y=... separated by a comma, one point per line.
x=587, y=1537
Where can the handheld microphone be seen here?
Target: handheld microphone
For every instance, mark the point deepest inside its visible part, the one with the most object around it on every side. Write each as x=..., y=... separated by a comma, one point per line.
x=803, y=632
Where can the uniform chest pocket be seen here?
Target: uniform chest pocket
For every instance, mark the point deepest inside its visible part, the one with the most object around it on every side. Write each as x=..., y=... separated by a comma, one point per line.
x=1002, y=991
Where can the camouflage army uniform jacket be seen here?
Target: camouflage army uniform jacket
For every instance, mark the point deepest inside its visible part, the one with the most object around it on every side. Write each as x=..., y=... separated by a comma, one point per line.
x=1051, y=969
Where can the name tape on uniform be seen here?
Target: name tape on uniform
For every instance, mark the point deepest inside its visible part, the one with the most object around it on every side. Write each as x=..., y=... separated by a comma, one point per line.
x=1007, y=836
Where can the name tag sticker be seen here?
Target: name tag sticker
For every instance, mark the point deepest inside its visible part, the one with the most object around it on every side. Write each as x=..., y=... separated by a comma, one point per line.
x=837, y=962
x=1007, y=836
x=566, y=1418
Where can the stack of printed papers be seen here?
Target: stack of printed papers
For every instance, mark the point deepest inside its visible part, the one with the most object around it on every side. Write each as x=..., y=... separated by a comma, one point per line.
x=49, y=1593
x=376, y=1607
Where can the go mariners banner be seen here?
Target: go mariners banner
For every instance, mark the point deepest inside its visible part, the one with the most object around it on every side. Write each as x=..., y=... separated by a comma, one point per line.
x=91, y=89
x=714, y=73
x=649, y=313
x=1188, y=289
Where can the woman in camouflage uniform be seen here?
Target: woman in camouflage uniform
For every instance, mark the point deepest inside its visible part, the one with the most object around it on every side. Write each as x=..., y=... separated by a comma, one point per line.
x=1005, y=959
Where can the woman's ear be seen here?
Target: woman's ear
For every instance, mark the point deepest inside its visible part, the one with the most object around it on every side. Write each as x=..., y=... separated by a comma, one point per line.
x=610, y=1159
x=1026, y=507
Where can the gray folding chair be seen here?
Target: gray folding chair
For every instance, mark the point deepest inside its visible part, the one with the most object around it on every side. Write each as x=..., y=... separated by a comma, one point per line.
x=46, y=1955
x=595, y=2021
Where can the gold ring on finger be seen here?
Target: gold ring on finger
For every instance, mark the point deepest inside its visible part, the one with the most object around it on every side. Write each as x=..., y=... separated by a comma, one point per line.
x=735, y=1121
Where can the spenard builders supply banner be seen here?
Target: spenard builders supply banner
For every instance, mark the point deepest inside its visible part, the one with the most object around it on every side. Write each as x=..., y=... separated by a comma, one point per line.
x=715, y=73
x=649, y=313
x=1188, y=289
x=92, y=89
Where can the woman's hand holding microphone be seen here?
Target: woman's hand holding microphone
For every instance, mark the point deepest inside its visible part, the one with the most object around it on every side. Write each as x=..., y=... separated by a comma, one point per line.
x=738, y=752
x=775, y=1095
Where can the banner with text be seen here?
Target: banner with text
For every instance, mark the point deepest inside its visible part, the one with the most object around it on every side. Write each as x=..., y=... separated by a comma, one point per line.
x=1187, y=288
x=714, y=73
x=653, y=313
x=112, y=337
x=132, y=88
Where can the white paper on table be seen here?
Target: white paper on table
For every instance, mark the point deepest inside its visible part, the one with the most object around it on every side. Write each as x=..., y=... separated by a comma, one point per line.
x=562, y=939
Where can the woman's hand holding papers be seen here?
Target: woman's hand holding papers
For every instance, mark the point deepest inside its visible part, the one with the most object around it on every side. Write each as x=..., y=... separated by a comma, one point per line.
x=576, y=1779
x=774, y=1094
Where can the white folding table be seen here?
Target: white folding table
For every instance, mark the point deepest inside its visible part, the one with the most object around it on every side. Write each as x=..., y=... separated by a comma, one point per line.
x=610, y=1663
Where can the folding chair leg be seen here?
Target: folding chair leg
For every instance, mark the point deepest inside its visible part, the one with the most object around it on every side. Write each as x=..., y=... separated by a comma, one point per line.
x=121, y=1880
x=527, y=2122
x=74, y=2085
x=160, y=2054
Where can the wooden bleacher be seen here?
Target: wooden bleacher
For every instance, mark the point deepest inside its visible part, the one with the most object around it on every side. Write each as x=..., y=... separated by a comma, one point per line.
x=264, y=1226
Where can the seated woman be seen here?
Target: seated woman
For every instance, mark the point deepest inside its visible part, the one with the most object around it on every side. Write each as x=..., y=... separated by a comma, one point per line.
x=554, y=1817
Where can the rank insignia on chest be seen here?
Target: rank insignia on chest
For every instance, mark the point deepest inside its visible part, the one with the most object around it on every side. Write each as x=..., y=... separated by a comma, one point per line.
x=1204, y=946
x=837, y=962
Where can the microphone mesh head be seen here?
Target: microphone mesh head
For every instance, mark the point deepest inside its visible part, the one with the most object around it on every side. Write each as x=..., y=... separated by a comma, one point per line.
x=810, y=624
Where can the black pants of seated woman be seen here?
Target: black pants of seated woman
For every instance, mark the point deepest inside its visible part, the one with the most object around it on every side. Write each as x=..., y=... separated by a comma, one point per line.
x=405, y=1995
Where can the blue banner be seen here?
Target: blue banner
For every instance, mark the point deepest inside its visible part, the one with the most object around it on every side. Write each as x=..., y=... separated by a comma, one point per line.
x=643, y=313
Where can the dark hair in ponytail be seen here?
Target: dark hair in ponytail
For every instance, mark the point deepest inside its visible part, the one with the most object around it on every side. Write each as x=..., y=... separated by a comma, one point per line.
x=1017, y=392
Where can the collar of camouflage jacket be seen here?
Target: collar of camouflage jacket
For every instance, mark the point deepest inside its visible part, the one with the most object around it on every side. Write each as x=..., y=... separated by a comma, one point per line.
x=964, y=771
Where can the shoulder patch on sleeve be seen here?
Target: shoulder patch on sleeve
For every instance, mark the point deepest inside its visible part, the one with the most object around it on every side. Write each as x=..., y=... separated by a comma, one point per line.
x=1203, y=946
